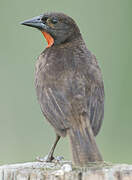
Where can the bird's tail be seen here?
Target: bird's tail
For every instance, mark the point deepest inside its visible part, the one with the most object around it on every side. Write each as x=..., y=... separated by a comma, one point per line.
x=83, y=145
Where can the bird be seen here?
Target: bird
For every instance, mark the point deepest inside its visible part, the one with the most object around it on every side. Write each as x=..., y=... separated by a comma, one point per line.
x=69, y=86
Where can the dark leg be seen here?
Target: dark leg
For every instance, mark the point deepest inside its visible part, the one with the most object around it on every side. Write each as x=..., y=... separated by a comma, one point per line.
x=51, y=152
x=50, y=157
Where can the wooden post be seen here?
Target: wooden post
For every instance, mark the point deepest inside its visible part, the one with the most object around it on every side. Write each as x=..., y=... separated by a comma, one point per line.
x=65, y=171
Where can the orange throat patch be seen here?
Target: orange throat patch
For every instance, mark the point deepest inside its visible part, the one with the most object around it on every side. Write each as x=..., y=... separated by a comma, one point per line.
x=48, y=38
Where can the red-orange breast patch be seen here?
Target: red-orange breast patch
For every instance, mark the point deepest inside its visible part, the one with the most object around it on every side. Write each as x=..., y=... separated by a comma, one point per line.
x=48, y=38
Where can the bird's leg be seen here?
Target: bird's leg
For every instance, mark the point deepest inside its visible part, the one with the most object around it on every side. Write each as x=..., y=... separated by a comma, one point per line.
x=50, y=157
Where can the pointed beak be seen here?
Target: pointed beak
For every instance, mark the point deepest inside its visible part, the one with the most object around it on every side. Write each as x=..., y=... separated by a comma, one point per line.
x=35, y=22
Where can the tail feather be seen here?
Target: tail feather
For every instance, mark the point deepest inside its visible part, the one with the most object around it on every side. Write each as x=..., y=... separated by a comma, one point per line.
x=84, y=148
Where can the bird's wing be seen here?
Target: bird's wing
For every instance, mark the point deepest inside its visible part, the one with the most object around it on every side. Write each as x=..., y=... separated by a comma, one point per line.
x=95, y=107
x=88, y=97
x=56, y=109
x=63, y=105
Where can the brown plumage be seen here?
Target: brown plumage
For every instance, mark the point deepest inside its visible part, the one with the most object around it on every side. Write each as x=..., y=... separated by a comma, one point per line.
x=69, y=86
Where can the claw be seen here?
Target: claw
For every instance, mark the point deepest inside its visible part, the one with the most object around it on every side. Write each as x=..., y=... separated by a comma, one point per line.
x=45, y=159
x=49, y=159
x=59, y=158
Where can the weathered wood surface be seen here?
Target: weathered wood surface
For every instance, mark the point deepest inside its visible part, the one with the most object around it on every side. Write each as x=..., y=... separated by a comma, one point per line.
x=64, y=171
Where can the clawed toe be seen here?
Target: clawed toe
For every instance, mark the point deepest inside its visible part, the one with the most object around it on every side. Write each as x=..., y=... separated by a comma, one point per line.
x=45, y=159
x=49, y=159
x=59, y=158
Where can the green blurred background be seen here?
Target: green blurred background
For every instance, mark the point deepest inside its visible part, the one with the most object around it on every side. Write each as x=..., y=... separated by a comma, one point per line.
x=107, y=29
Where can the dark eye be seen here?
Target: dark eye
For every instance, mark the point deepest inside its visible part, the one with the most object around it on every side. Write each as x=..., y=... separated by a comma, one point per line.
x=44, y=19
x=54, y=21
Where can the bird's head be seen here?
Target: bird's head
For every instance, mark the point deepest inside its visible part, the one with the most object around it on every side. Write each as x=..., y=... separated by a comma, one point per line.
x=57, y=28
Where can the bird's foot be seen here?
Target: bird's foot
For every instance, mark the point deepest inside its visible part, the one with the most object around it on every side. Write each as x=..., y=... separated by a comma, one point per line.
x=45, y=159
x=58, y=158
x=49, y=159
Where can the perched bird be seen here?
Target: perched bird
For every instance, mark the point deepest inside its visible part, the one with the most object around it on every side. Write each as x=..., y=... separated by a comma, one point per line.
x=69, y=86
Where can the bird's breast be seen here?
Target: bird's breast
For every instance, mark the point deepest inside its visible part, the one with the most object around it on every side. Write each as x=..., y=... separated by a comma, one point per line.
x=49, y=73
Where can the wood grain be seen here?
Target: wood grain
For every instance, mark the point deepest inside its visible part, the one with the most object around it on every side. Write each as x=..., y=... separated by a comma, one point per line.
x=64, y=170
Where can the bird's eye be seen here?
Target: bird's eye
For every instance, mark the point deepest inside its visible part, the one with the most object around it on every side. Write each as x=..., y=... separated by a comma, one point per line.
x=45, y=18
x=54, y=21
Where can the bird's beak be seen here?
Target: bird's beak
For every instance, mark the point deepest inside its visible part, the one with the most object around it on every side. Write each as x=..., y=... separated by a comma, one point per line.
x=35, y=22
